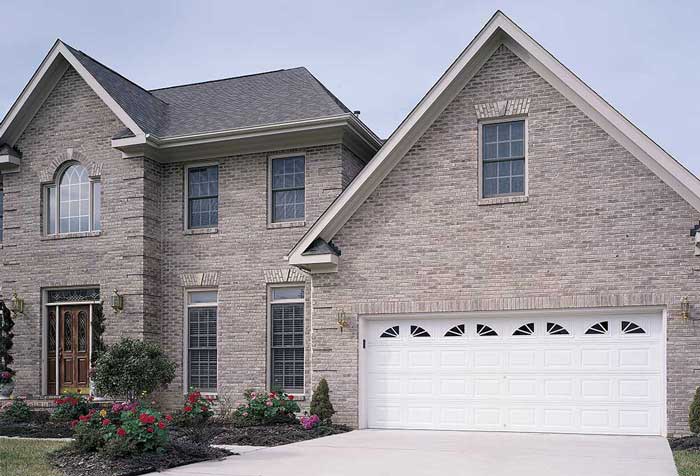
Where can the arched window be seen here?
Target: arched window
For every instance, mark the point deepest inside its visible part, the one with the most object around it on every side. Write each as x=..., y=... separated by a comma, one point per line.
x=72, y=203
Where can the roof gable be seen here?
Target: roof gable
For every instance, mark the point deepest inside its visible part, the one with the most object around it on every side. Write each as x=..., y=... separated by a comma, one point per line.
x=499, y=30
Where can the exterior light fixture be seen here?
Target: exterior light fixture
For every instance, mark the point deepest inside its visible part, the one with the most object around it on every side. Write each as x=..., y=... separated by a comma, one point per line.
x=117, y=302
x=342, y=320
x=17, y=304
x=685, y=308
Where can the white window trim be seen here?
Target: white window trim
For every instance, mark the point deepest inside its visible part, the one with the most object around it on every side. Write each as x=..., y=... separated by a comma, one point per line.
x=480, y=172
x=186, y=196
x=56, y=185
x=291, y=223
x=186, y=337
x=268, y=379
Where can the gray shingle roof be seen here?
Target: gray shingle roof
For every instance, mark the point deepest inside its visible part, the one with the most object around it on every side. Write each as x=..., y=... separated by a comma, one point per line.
x=274, y=97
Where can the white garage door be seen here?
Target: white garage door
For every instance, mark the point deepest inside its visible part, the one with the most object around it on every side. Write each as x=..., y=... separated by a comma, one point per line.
x=569, y=374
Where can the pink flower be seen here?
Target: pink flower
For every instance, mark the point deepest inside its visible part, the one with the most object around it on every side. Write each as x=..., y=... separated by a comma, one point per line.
x=106, y=422
x=268, y=403
x=161, y=425
x=245, y=414
x=149, y=429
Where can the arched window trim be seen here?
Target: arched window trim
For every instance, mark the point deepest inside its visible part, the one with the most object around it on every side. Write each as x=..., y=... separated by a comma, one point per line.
x=52, y=202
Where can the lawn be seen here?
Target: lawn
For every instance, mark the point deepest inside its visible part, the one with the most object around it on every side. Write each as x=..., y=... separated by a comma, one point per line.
x=25, y=457
x=687, y=462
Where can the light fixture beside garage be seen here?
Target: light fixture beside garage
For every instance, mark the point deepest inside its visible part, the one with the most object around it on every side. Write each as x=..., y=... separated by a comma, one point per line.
x=117, y=302
x=685, y=308
x=342, y=319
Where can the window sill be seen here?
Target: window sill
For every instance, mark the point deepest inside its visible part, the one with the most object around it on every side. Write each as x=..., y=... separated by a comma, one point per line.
x=502, y=200
x=286, y=224
x=201, y=231
x=68, y=236
x=298, y=397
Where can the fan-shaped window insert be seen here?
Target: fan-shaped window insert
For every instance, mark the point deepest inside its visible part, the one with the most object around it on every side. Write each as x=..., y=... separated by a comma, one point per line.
x=628, y=327
x=483, y=330
x=525, y=330
x=556, y=330
x=456, y=331
x=418, y=331
x=391, y=332
x=598, y=328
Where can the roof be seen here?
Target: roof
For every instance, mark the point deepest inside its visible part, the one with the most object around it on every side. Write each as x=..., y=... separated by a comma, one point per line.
x=274, y=97
x=499, y=30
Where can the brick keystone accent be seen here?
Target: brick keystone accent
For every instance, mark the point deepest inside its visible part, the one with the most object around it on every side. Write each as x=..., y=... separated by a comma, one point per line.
x=284, y=275
x=70, y=155
x=193, y=280
x=510, y=107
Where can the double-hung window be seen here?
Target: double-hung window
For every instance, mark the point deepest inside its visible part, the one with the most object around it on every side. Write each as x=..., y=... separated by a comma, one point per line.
x=287, y=339
x=287, y=188
x=203, y=196
x=72, y=204
x=201, y=339
x=503, y=158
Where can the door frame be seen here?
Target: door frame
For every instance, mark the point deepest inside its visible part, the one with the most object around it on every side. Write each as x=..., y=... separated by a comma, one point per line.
x=45, y=334
x=363, y=321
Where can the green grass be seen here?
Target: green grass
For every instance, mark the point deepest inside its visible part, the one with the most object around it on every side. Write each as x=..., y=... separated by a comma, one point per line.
x=687, y=462
x=27, y=457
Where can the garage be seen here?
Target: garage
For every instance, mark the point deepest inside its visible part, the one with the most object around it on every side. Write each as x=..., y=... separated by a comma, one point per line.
x=575, y=372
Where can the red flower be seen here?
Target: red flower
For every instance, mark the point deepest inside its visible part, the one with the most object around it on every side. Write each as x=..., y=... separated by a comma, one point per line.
x=169, y=417
x=73, y=423
x=121, y=432
x=145, y=418
x=149, y=429
x=161, y=425
x=192, y=398
x=106, y=422
x=84, y=417
x=187, y=409
x=291, y=397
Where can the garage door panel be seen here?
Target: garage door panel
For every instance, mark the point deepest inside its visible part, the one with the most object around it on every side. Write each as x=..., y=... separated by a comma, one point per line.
x=609, y=382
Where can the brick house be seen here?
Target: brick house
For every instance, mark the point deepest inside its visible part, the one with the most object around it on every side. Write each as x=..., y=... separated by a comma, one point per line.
x=516, y=256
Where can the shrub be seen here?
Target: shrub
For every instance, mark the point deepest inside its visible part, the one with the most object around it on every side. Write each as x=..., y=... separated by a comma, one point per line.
x=6, y=337
x=267, y=408
x=196, y=410
x=18, y=411
x=694, y=413
x=321, y=402
x=308, y=422
x=70, y=407
x=132, y=368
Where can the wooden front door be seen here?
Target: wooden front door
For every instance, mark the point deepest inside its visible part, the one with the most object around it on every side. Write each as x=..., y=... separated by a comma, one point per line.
x=72, y=329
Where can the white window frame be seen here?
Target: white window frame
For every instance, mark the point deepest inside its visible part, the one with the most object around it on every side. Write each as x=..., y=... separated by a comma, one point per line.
x=270, y=221
x=186, y=195
x=480, y=152
x=56, y=186
x=186, y=337
x=297, y=392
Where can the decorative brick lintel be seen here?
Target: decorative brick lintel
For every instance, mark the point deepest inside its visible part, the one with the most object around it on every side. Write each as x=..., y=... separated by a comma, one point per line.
x=284, y=275
x=510, y=107
x=193, y=280
x=94, y=169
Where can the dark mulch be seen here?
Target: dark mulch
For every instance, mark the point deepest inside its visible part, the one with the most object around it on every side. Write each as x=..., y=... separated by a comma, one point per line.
x=181, y=452
x=274, y=435
x=38, y=427
x=685, y=443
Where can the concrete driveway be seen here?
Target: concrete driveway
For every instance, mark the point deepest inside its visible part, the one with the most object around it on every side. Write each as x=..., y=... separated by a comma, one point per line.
x=406, y=453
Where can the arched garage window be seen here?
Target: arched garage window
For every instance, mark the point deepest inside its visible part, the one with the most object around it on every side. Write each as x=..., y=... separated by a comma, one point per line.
x=72, y=203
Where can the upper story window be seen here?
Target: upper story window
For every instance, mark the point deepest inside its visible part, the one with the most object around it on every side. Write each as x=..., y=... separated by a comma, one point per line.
x=503, y=158
x=203, y=196
x=287, y=188
x=73, y=202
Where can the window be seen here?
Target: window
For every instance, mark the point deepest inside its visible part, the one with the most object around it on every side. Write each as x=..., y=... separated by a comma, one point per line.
x=203, y=196
x=287, y=189
x=628, y=327
x=73, y=203
x=287, y=339
x=2, y=216
x=201, y=339
x=456, y=331
x=390, y=333
x=418, y=331
x=482, y=330
x=503, y=158
x=525, y=330
x=598, y=328
x=554, y=329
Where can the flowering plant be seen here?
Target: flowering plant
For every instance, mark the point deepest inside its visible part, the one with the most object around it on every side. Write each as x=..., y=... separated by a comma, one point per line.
x=308, y=422
x=70, y=407
x=6, y=376
x=196, y=410
x=267, y=407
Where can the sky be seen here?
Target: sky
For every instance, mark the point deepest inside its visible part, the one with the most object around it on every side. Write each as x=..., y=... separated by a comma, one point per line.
x=379, y=57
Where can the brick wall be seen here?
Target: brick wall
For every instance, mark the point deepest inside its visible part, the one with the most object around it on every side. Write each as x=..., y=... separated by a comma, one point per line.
x=598, y=229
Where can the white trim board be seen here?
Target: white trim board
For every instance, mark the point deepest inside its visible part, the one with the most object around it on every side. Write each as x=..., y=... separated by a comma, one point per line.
x=499, y=30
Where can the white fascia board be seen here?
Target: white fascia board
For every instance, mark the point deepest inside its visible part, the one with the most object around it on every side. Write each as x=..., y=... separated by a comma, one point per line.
x=9, y=162
x=50, y=70
x=499, y=29
x=325, y=263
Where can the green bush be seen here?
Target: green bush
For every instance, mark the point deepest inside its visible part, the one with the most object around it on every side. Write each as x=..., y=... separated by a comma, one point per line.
x=19, y=411
x=262, y=408
x=70, y=407
x=132, y=369
x=694, y=413
x=321, y=405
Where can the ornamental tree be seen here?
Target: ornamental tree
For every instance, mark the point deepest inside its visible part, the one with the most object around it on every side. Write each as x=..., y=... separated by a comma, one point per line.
x=321, y=402
x=132, y=369
x=694, y=413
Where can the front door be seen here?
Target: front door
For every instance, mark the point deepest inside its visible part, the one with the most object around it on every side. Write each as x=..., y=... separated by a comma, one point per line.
x=72, y=329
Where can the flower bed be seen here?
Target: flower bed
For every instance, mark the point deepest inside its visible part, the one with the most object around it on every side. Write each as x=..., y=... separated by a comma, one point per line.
x=273, y=435
x=38, y=426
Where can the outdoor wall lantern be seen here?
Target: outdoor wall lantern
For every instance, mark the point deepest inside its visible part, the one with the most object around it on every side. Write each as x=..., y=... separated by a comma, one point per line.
x=685, y=308
x=342, y=320
x=17, y=304
x=117, y=302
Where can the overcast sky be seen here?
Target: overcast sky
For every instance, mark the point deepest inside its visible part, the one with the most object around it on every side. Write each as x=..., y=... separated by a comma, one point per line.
x=377, y=56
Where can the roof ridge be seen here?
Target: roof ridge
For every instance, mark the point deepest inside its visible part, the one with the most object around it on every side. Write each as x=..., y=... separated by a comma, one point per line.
x=75, y=50
x=225, y=79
